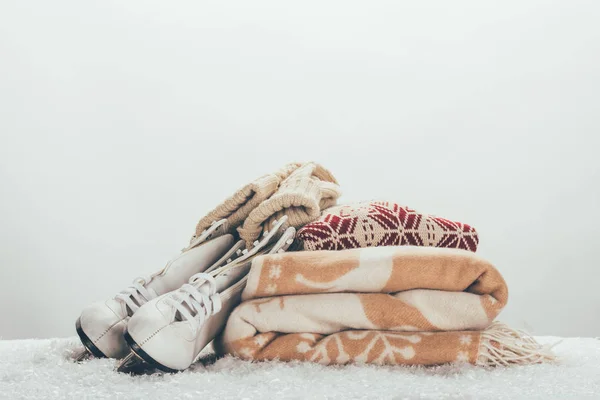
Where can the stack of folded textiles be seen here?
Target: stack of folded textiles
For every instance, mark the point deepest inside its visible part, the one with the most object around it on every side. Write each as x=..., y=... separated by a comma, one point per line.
x=373, y=282
x=378, y=283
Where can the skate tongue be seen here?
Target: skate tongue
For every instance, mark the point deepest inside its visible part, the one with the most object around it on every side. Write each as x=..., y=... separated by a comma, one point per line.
x=177, y=271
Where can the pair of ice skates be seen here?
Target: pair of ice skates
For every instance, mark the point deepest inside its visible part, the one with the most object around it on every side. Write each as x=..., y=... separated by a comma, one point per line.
x=165, y=320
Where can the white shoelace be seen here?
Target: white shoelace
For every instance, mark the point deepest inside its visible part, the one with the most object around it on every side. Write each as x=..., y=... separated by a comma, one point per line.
x=137, y=291
x=192, y=298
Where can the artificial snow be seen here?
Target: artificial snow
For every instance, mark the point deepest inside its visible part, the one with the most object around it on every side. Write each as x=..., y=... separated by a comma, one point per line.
x=43, y=369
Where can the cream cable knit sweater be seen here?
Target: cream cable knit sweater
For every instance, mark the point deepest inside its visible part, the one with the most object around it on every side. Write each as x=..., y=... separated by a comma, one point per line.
x=301, y=196
x=299, y=190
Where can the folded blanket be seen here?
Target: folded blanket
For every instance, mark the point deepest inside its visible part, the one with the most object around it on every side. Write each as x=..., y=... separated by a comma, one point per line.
x=382, y=223
x=381, y=305
x=299, y=190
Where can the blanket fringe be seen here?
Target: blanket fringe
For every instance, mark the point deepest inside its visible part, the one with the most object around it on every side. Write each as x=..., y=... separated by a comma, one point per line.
x=502, y=346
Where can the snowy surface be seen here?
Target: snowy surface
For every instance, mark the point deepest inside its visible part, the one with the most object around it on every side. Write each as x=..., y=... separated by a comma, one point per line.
x=42, y=369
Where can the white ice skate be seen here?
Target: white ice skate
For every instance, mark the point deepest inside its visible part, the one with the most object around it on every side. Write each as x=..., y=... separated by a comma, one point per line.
x=169, y=332
x=100, y=326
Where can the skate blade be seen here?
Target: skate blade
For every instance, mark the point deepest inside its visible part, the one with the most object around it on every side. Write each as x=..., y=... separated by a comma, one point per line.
x=81, y=355
x=142, y=358
x=134, y=365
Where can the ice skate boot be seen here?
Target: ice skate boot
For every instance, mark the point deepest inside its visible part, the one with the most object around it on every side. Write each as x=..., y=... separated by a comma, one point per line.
x=169, y=332
x=100, y=326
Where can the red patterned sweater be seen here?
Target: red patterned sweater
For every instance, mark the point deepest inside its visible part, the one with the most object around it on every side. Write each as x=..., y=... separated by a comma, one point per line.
x=382, y=223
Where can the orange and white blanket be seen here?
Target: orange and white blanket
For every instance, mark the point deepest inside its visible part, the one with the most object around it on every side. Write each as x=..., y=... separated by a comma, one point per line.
x=382, y=305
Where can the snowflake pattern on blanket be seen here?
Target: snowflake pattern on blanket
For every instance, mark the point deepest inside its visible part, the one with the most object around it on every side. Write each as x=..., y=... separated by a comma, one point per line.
x=382, y=305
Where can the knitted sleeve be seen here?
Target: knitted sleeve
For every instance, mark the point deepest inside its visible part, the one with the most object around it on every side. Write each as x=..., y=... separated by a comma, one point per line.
x=237, y=207
x=301, y=196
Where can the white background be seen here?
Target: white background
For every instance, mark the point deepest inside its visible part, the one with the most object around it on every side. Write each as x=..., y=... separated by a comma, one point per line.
x=122, y=123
